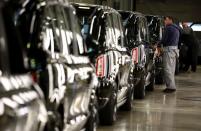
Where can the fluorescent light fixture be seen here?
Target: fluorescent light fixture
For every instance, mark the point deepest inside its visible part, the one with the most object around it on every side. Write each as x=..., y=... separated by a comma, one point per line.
x=196, y=27
x=84, y=7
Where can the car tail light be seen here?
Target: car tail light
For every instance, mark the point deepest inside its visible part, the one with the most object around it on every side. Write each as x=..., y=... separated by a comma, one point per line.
x=135, y=55
x=34, y=76
x=100, y=66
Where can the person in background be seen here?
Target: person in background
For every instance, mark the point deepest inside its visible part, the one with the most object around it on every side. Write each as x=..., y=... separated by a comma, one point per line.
x=183, y=49
x=189, y=39
x=168, y=47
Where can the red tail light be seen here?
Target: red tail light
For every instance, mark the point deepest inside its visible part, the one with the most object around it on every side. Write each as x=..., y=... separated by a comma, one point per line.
x=100, y=66
x=135, y=55
x=34, y=76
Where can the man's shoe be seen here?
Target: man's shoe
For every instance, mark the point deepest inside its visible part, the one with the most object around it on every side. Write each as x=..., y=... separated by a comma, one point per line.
x=169, y=90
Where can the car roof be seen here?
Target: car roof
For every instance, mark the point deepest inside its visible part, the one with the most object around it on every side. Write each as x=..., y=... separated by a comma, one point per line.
x=91, y=7
x=129, y=14
x=154, y=16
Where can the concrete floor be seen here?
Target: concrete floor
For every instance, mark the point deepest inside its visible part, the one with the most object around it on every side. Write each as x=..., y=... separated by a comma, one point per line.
x=180, y=111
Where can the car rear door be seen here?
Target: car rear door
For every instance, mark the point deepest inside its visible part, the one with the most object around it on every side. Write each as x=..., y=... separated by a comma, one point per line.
x=124, y=56
x=21, y=100
x=81, y=78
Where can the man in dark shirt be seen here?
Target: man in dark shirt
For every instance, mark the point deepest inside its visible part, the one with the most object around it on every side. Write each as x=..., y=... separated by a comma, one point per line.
x=189, y=39
x=169, y=45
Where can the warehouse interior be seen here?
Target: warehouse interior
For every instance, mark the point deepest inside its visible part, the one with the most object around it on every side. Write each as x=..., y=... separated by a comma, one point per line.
x=100, y=65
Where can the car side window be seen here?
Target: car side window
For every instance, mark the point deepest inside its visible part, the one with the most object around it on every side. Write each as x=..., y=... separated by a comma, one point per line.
x=131, y=30
x=117, y=31
x=123, y=38
x=69, y=30
x=77, y=37
x=66, y=34
x=58, y=32
x=143, y=30
x=51, y=30
x=146, y=30
x=161, y=30
x=110, y=32
x=154, y=28
x=93, y=31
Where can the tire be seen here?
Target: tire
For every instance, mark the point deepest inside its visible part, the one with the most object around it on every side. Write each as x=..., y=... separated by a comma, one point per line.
x=92, y=121
x=107, y=115
x=159, y=71
x=127, y=106
x=139, y=89
x=150, y=87
x=54, y=122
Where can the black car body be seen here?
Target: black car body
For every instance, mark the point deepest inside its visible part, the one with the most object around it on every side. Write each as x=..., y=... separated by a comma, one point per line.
x=22, y=105
x=156, y=26
x=55, y=49
x=136, y=31
x=103, y=32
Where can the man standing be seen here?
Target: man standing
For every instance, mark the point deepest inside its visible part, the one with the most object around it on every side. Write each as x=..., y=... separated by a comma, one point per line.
x=188, y=38
x=169, y=43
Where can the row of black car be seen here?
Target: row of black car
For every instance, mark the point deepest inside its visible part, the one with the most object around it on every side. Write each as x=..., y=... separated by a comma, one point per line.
x=68, y=66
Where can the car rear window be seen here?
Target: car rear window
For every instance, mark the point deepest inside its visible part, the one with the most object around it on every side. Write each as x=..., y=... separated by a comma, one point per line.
x=2, y=42
x=131, y=29
x=91, y=27
x=124, y=15
x=16, y=54
x=155, y=29
x=83, y=14
x=61, y=32
x=4, y=66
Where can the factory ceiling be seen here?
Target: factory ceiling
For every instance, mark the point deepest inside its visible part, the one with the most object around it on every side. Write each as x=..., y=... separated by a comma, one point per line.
x=183, y=10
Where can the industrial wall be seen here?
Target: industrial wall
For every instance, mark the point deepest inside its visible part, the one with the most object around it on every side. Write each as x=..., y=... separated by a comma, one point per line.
x=184, y=10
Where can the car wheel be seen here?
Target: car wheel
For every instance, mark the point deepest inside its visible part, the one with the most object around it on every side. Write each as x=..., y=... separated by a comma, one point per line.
x=127, y=106
x=107, y=115
x=150, y=87
x=92, y=121
x=54, y=122
x=139, y=89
